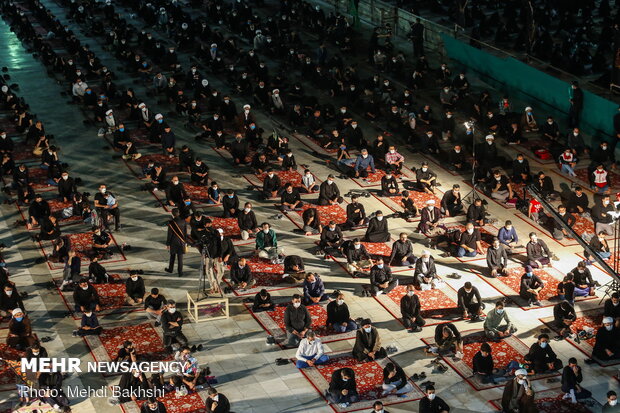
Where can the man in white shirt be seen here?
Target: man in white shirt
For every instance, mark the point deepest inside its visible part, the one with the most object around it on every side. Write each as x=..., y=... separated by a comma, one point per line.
x=310, y=351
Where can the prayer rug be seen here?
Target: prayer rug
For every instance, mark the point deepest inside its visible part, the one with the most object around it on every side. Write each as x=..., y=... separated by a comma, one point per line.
x=368, y=378
x=266, y=274
x=194, y=402
x=419, y=199
x=9, y=368
x=313, y=144
x=56, y=208
x=582, y=226
x=550, y=401
x=82, y=243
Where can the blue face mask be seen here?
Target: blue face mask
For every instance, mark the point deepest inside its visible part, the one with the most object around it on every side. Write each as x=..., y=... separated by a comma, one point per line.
x=121, y=129
x=160, y=121
x=252, y=127
x=89, y=92
x=529, y=274
x=230, y=196
x=19, y=318
x=380, y=265
x=144, y=64
x=188, y=202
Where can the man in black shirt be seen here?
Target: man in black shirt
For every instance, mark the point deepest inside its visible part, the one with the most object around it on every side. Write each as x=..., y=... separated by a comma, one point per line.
x=381, y=279
x=470, y=244
x=331, y=239
x=134, y=288
x=37, y=211
x=410, y=310
x=476, y=213
x=402, y=252
x=338, y=317
x=101, y=242
x=469, y=301
x=521, y=172
x=66, y=187
x=86, y=297
x=172, y=324
x=247, y=221
x=451, y=203
x=612, y=308
x=176, y=241
x=199, y=173
x=531, y=286
x=290, y=199
x=241, y=275
x=356, y=215
x=430, y=403
x=105, y=210
x=230, y=204
x=271, y=185
x=329, y=194
x=578, y=202
x=389, y=185
x=155, y=305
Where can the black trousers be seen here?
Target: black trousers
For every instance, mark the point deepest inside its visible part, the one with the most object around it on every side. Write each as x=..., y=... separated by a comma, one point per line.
x=105, y=213
x=173, y=255
x=417, y=321
x=177, y=337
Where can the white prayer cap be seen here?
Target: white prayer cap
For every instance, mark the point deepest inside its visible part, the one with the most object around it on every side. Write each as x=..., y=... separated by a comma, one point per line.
x=276, y=91
x=608, y=320
x=109, y=112
x=430, y=202
x=213, y=44
x=426, y=252
x=159, y=116
x=490, y=137
x=246, y=106
x=220, y=230
x=521, y=372
x=204, y=82
x=142, y=105
x=528, y=109
x=16, y=311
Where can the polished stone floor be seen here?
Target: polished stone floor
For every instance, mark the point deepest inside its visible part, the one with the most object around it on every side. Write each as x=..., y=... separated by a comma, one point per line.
x=235, y=348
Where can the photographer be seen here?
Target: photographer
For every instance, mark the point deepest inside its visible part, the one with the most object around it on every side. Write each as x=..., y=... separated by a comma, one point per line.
x=210, y=246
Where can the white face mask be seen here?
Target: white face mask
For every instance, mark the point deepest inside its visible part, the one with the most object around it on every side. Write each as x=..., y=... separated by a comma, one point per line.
x=470, y=230
x=9, y=293
x=296, y=305
x=392, y=151
x=410, y=293
x=457, y=150
x=521, y=381
x=490, y=142
x=65, y=177
x=613, y=402
x=380, y=218
x=424, y=169
x=543, y=344
x=354, y=125
x=85, y=288
x=172, y=310
x=609, y=327
x=368, y=329
x=358, y=246
x=500, y=311
x=88, y=314
x=431, y=396
x=329, y=181
x=102, y=190
x=247, y=209
x=340, y=302
x=266, y=231
x=134, y=278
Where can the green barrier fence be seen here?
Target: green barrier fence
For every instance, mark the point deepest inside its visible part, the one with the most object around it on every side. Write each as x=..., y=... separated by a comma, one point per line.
x=526, y=82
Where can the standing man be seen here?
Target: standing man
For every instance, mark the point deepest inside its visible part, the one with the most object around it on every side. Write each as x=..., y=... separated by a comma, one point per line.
x=416, y=35
x=176, y=241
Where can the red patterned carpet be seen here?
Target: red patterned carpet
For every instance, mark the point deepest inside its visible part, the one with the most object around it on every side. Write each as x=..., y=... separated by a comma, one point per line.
x=550, y=401
x=56, y=207
x=266, y=274
x=486, y=233
x=273, y=322
x=229, y=225
x=438, y=305
x=503, y=352
x=527, y=150
x=22, y=152
x=190, y=403
x=7, y=371
x=326, y=213
x=582, y=226
x=38, y=178
x=585, y=319
x=368, y=378
x=313, y=144
x=171, y=165
x=583, y=179
x=82, y=242
x=145, y=338
x=198, y=193
x=419, y=199
x=509, y=286
x=293, y=177
x=376, y=250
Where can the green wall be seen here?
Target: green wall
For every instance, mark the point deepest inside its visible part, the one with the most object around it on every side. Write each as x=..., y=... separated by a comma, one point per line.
x=531, y=85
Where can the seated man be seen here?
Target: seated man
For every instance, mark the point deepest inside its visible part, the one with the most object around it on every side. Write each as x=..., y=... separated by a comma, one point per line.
x=389, y=184
x=578, y=202
x=314, y=289
x=262, y=302
x=338, y=317
x=410, y=309
x=308, y=182
x=377, y=230
x=311, y=222
x=101, y=243
x=89, y=326
x=86, y=297
x=368, y=343
x=331, y=240
x=470, y=244
x=558, y=231
x=607, y=345
x=342, y=388
x=154, y=305
x=362, y=163
x=599, y=245
x=518, y=395
x=469, y=301
x=290, y=199
x=541, y=356
x=199, y=173
x=381, y=279
x=394, y=160
x=426, y=180
x=395, y=381
x=429, y=218
x=241, y=275
x=451, y=203
x=310, y=351
x=448, y=340
x=508, y=237
x=217, y=402
x=476, y=213
x=563, y=318
x=538, y=254
x=247, y=222
x=571, y=382
x=20, y=335
x=430, y=403
x=297, y=321
x=358, y=259
x=493, y=327
x=410, y=210
x=271, y=185
x=530, y=287
x=425, y=272
x=134, y=288
x=499, y=187
x=402, y=252
x=329, y=193
x=294, y=268
x=267, y=244
x=497, y=259
x=230, y=204
x=612, y=308
x=356, y=214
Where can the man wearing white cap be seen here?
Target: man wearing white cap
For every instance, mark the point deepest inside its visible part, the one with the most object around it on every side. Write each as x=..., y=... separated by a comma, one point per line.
x=429, y=218
x=518, y=396
x=246, y=117
x=277, y=106
x=607, y=345
x=528, y=123
x=20, y=332
x=425, y=272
